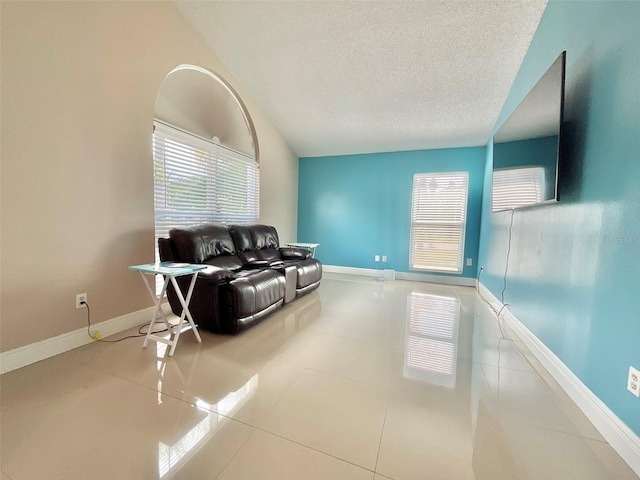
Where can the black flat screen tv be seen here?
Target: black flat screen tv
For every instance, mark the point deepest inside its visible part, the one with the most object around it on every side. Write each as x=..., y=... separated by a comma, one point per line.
x=526, y=148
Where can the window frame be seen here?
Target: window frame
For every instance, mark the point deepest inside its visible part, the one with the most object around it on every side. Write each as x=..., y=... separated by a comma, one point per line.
x=462, y=223
x=181, y=161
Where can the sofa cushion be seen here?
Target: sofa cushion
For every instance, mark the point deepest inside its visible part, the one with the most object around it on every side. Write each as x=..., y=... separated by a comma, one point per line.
x=268, y=254
x=255, y=243
x=199, y=243
x=230, y=262
x=263, y=236
x=257, y=291
x=241, y=238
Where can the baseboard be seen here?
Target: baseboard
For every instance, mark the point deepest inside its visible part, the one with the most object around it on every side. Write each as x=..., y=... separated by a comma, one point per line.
x=615, y=431
x=416, y=277
x=443, y=279
x=364, y=272
x=28, y=354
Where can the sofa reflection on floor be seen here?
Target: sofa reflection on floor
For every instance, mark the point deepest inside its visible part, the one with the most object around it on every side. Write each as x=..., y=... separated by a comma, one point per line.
x=248, y=274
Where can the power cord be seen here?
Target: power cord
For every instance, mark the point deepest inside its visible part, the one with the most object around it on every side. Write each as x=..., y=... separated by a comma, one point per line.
x=506, y=267
x=498, y=313
x=97, y=338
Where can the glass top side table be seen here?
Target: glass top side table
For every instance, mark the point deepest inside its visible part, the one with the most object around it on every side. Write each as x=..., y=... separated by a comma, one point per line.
x=170, y=271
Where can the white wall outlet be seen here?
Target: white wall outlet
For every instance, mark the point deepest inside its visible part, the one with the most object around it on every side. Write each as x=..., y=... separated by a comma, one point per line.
x=377, y=258
x=469, y=262
x=81, y=297
x=633, y=382
x=384, y=259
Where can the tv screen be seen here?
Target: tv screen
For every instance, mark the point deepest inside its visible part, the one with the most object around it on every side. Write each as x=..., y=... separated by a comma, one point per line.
x=526, y=147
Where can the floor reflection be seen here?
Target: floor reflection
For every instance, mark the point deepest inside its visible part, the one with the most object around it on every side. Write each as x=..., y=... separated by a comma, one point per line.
x=357, y=380
x=172, y=457
x=492, y=456
x=431, y=339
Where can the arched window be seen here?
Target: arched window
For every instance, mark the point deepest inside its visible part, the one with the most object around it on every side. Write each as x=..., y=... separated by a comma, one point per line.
x=205, y=163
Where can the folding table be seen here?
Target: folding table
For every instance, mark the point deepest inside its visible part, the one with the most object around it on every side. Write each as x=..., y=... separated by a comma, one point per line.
x=170, y=271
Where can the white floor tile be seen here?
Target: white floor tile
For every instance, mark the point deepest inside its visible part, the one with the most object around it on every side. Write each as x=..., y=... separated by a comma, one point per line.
x=335, y=415
x=548, y=454
x=266, y=456
x=338, y=384
x=111, y=428
x=426, y=438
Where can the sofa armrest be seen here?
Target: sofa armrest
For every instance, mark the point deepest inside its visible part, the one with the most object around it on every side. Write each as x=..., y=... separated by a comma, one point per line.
x=255, y=264
x=216, y=274
x=262, y=264
x=290, y=253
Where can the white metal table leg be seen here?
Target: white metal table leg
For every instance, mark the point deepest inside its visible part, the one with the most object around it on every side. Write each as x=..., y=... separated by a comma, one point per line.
x=186, y=308
x=185, y=312
x=170, y=273
x=158, y=307
x=153, y=296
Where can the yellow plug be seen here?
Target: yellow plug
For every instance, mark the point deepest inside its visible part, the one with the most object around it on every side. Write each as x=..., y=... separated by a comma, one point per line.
x=96, y=336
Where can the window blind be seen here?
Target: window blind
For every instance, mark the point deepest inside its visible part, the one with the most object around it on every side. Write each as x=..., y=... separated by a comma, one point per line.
x=515, y=187
x=197, y=181
x=438, y=216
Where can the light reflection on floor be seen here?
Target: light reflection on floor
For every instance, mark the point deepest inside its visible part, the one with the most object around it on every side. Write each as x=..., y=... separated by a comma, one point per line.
x=359, y=379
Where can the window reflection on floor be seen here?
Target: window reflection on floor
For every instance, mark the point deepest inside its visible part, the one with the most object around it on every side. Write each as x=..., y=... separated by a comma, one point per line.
x=215, y=415
x=431, y=339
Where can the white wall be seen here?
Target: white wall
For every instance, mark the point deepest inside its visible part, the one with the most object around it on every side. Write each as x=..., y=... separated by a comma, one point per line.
x=78, y=86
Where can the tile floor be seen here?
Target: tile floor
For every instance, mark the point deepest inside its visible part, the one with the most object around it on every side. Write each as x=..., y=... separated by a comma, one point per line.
x=358, y=380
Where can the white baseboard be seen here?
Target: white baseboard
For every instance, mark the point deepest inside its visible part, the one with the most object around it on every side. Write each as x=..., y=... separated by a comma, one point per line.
x=416, y=277
x=365, y=272
x=615, y=431
x=443, y=279
x=28, y=354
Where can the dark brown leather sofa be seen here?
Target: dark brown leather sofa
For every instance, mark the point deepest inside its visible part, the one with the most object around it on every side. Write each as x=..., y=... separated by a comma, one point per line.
x=248, y=274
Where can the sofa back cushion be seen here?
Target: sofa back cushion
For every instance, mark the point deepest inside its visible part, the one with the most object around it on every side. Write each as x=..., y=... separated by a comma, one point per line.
x=241, y=236
x=263, y=236
x=199, y=243
x=264, y=240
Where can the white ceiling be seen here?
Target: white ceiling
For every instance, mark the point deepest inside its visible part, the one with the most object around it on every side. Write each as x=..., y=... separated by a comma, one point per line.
x=342, y=77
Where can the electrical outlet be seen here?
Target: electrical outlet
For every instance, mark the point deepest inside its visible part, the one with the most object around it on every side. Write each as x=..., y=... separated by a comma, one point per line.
x=633, y=382
x=376, y=258
x=384, y=259
x=81, y=297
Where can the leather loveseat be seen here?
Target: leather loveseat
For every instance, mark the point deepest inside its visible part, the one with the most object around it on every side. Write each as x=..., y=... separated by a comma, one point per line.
x=248, y=274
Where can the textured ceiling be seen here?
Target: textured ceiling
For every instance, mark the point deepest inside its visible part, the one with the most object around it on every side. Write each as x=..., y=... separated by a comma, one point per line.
x=375, y=76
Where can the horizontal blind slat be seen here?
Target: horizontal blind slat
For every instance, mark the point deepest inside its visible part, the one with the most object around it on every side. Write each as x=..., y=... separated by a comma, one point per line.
x=197, y=182
x=438, y=216
x=516, y=187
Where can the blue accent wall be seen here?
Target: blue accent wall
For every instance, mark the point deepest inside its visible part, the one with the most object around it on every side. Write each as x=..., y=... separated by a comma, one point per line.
x=357, y=206
x=574, y=268
x=542, y=151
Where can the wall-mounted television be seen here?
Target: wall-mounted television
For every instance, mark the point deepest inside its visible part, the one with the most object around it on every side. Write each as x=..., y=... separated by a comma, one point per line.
x=526, y=148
